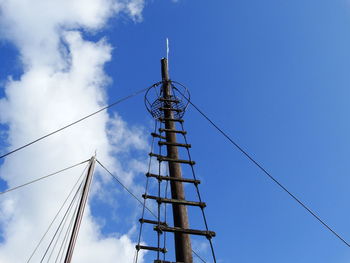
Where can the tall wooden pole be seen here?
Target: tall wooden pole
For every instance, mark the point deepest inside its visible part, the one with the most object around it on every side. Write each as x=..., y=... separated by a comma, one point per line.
x=82, y=204
x=183, y=249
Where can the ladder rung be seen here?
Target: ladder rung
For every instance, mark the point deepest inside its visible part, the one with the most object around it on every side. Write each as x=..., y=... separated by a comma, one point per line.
x=154, y=222
x=174, y=201
x=171, y=109
x=167, y=159
x=170, y=130
x=169, y=119
x=175, y=144
x=163, y=250
x=169, y=100
x=158, y=136
x=168, y=178
x=163, y=261
x=208, y=234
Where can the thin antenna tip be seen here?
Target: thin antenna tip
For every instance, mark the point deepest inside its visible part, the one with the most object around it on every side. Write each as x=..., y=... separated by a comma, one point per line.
x=167, y=48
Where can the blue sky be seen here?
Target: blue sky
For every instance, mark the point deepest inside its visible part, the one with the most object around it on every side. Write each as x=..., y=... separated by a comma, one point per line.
x=275, y=76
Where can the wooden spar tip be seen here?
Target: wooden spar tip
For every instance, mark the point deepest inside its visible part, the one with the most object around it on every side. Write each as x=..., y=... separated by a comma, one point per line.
x=165, y=71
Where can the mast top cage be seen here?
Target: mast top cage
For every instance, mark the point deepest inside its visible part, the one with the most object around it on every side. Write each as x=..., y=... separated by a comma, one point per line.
x=179, y=99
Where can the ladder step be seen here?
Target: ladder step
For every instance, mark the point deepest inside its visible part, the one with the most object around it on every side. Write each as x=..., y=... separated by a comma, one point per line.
x=169, y=100
x=167, y=159
x=170, y=130
x=163, y=250
x=174, y=201
x=171, y=109
x=175, y=144
x=154, y=222
x=158, y=136
x=168, y=178
x=162, y=261
x=169, y=119
x=208, y=234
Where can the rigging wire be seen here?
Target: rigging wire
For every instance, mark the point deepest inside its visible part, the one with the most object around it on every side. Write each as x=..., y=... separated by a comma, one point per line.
x=198, y=194
x=55, y=217
x=44, y=177
x=211, y=122
x=133, y=195
x=63, y=219
x=66, y=236
x=127, y=189
x=165, y=209
x=61, y=231
x=235, y=144
x=198, y=256
x=136, y=255
x=158, y=203
x=75, y=122
x=57, y=239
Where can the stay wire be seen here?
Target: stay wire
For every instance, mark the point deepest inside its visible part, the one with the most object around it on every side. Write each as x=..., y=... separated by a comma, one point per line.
x=55, y=217
x=44, y=177
x=63, y=219
x=72, y=217
x=165, y=209
x=146, y=191
x=61, y=231
x=159, y=203
x=199, y=195
x=75, y=122
x=66, y=237
x=57, y=239
x=266, y=172
x=165, y=196
x=131, y=193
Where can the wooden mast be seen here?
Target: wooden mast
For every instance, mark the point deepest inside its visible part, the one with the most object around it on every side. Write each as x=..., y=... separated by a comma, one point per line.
x=183, y=248
x=81, y=208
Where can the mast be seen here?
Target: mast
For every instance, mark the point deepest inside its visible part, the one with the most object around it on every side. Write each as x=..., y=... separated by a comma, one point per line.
x=167, y=105
x=183, y=248
x=81, y=208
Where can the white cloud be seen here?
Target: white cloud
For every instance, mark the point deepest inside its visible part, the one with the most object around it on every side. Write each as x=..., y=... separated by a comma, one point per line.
x=135, y=8
x=123, y=138
x=63, y=80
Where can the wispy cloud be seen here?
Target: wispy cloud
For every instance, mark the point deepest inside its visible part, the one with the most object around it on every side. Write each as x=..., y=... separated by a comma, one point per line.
x=63, y=79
